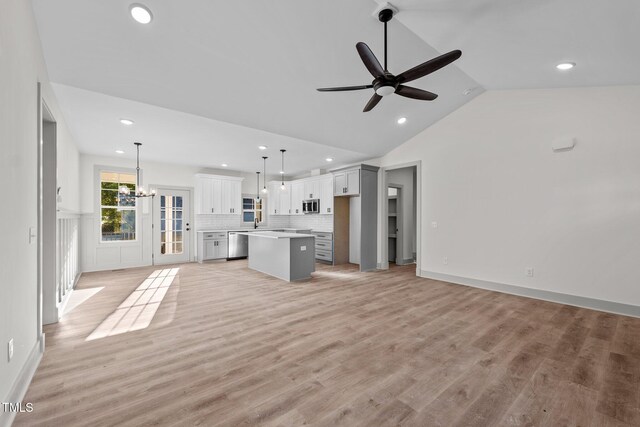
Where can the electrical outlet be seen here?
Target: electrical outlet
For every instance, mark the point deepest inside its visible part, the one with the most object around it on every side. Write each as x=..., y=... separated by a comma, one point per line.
x=10, y=349
x=528, y=272
x=434, y=224
x=445, y=260
x=303, y=248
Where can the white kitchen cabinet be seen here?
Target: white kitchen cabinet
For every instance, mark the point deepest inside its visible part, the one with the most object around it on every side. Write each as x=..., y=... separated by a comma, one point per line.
x=311, y=189
x=273, y=199
x=218, y=195
x=347, y=183
x=231, y=197
x=216, y=202
x=279, y=200
x=297, y=196
x=204, y=195
x=326, y=194
x=212, y=245
x=284, y=199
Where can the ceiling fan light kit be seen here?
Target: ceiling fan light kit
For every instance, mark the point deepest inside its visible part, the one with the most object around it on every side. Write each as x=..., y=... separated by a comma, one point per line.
x=385, y=83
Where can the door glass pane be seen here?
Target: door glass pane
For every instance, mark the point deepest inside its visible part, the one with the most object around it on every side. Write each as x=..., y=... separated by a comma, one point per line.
x=171, y=225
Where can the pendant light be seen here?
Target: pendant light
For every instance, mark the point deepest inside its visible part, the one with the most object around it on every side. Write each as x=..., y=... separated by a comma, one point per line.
x=257, y=186
x=264, y=175
x=140, y=191
x=282, y=187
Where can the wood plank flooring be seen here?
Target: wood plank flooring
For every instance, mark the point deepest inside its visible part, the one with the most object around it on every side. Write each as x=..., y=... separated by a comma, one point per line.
x=230, y=346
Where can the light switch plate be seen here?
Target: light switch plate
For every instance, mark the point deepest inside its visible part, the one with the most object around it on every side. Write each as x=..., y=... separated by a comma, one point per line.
x=303, y=248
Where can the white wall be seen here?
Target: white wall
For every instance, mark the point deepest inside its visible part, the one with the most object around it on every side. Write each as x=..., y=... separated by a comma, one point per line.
x=504, y=201
x=21, y=68
x=404, y=177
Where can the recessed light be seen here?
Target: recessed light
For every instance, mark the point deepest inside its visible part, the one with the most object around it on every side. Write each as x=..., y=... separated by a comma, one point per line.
x=126, y=122
x=565, y=66
x=224, y=165
x=119, y=151
x=140, y=13
x=329, y=159
x=262, y=147
x=402, y=120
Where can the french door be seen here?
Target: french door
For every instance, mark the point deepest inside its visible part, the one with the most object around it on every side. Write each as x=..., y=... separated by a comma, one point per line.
x=171, y=230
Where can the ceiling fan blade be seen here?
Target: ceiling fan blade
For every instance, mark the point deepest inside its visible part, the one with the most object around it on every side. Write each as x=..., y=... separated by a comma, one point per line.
x=429, y=67
x=415, y=93
x=370, y=60
x=372, y=102
x=343, y=88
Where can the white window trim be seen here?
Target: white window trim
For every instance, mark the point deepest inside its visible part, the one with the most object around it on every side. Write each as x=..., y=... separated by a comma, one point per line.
x=263, y=209
x=98, y=169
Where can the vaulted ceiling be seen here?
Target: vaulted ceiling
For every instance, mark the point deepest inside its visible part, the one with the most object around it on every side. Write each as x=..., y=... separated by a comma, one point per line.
x=221, y=78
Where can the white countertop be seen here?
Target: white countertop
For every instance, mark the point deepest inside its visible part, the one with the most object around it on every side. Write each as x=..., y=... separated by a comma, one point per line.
x=276, y=235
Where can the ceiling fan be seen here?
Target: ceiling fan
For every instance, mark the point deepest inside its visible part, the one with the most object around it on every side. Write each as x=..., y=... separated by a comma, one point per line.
x=385, y=83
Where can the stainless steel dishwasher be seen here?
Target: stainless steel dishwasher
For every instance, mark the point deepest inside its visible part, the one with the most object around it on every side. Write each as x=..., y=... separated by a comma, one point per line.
x=238, y=245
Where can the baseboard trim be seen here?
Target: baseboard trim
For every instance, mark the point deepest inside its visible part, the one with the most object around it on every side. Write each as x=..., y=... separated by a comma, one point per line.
x=575, y=300
x=19, y=388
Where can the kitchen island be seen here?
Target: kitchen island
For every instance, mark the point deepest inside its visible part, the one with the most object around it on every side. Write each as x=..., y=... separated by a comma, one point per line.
x=287, y=256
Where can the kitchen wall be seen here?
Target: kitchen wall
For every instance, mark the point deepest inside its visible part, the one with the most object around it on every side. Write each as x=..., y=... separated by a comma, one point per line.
x=504, y=202
x=21, y=68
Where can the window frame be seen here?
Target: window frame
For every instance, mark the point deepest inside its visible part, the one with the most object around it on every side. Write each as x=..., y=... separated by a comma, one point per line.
x=98, y=170
x=254, y=210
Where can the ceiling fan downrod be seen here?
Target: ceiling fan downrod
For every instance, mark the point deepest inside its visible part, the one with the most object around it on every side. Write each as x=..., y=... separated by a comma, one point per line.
x=385, y=16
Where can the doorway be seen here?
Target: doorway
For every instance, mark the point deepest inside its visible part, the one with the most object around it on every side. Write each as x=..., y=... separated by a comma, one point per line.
x=171, y=236
x=400, y=214
x=394, y=223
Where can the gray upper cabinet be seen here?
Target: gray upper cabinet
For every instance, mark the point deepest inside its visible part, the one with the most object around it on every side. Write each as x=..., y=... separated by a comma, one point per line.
x=346, y=183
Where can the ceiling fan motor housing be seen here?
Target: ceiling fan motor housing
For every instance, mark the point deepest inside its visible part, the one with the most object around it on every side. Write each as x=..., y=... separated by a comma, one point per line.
x=385, y=15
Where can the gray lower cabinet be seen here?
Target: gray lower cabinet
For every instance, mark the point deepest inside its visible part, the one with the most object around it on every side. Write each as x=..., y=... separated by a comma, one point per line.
x=212, y=246
x=324, y=246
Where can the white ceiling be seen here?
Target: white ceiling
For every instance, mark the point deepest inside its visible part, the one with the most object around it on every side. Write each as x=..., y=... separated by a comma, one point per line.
x=252, y=63
x=256, y=64
x=515, y=44
x=183, y=138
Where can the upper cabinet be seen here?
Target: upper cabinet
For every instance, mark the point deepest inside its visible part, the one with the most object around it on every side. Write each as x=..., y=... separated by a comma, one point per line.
x=279, y=200
x=289, y=201
x=311, y=188
x=326, y=194
x=346, y=183
x=297, y=196
x=218, y=195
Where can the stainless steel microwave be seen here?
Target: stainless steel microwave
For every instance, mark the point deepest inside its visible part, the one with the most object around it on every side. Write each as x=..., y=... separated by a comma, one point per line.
x=311, y=206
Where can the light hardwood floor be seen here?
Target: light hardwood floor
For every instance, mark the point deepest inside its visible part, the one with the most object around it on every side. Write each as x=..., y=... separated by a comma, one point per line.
x=230, y=346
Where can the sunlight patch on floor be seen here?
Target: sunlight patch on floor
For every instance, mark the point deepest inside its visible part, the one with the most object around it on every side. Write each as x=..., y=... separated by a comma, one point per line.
x=79, y=296
x=137, y=310
x=335, y=274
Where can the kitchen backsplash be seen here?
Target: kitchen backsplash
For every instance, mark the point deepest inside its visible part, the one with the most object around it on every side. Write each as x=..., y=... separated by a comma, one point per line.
x=222, y=222
x=312, y=221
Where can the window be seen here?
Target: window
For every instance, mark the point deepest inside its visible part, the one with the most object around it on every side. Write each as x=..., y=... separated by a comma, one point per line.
x=252, y=209
x=117, y=212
